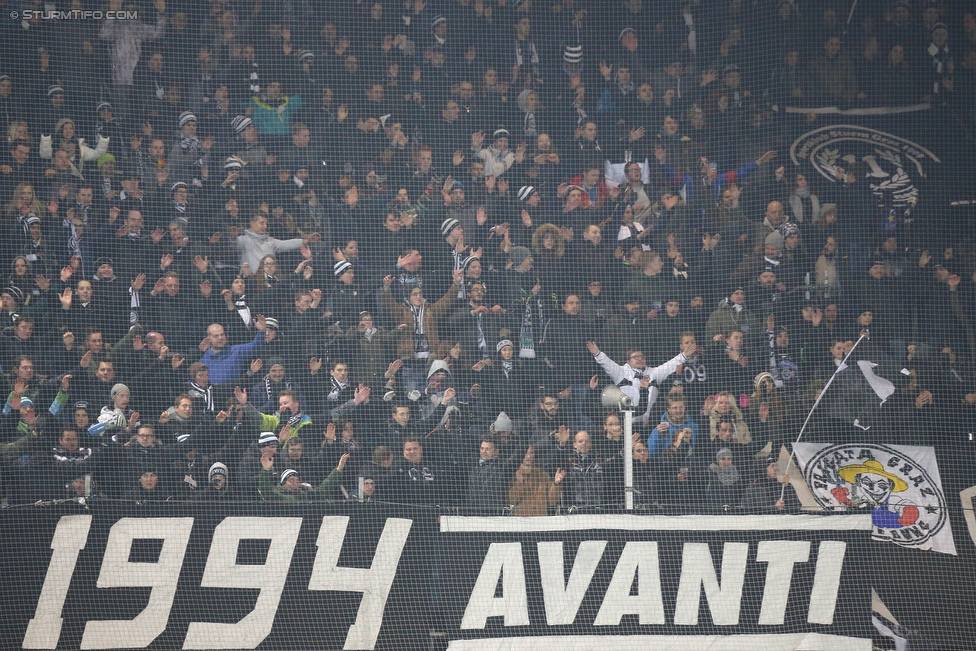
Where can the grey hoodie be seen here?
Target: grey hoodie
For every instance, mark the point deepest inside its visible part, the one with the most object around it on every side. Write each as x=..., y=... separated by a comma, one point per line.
x=254, y=247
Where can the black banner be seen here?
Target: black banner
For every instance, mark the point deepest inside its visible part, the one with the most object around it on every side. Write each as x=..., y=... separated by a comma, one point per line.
x=196, y=576
x=770, y=582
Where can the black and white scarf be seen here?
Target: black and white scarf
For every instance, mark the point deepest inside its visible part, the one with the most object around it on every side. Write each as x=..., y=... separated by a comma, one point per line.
x=240, y=304
x=528, y=124
x=269, y=389
x=626, y=88
x=482, y=343
x=206, y=393
x=74, y=241
x=421, y=345
x=525, y=52
x=526, y=333
x=507, y=367
x=336, y=388
x=939, y=56
x=190, y=144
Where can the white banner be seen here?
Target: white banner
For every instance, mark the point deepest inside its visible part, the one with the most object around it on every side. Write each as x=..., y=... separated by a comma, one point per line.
x=899, y=484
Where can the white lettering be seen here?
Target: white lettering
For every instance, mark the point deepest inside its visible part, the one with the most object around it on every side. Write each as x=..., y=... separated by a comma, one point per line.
x=781, y=556
x=642, y=558
x=826, y=581
x=222, y=571
x=374, y=583
x=161, y=576
x=503, y=561
x=44, y=630
x=563, y=599
x=697, y=572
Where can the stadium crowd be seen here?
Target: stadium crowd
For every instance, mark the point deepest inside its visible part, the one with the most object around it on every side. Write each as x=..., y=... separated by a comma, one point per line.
x=294, y=251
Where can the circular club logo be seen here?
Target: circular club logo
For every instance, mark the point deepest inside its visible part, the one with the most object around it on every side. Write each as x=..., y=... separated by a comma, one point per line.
x=890, y=164
x=907, y=506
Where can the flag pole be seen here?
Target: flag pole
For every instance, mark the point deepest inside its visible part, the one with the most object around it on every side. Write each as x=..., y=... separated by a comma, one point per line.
x=816, y=402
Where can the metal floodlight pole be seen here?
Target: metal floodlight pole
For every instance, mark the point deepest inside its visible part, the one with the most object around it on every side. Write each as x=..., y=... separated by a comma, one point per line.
x=613, y=398
x=629, y=459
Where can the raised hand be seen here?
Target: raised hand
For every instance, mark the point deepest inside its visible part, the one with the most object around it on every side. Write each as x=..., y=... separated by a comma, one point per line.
x=393, y=368
x=361, y=395
x=30, y=417
x=562, y=435
x=765, y=158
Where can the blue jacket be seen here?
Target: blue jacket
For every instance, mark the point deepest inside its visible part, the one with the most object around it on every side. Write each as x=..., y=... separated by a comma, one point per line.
x=658, y=443
x=226, y=366
x=718, y=184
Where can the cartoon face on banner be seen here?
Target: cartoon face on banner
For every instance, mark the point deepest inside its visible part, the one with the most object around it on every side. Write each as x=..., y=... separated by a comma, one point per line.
x=889, y=164
x=898, y=484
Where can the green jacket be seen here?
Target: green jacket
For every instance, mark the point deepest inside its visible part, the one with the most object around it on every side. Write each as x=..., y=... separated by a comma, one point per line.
x=274, y=492
x=270, y=422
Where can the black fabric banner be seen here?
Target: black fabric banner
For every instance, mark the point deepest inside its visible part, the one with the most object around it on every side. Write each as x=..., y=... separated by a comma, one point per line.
x=374, y=577
x=190, y=576
x=770, y=582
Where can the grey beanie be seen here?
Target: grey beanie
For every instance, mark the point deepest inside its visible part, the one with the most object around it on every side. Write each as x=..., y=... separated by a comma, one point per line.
x=503, y=423
x=774, y=239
